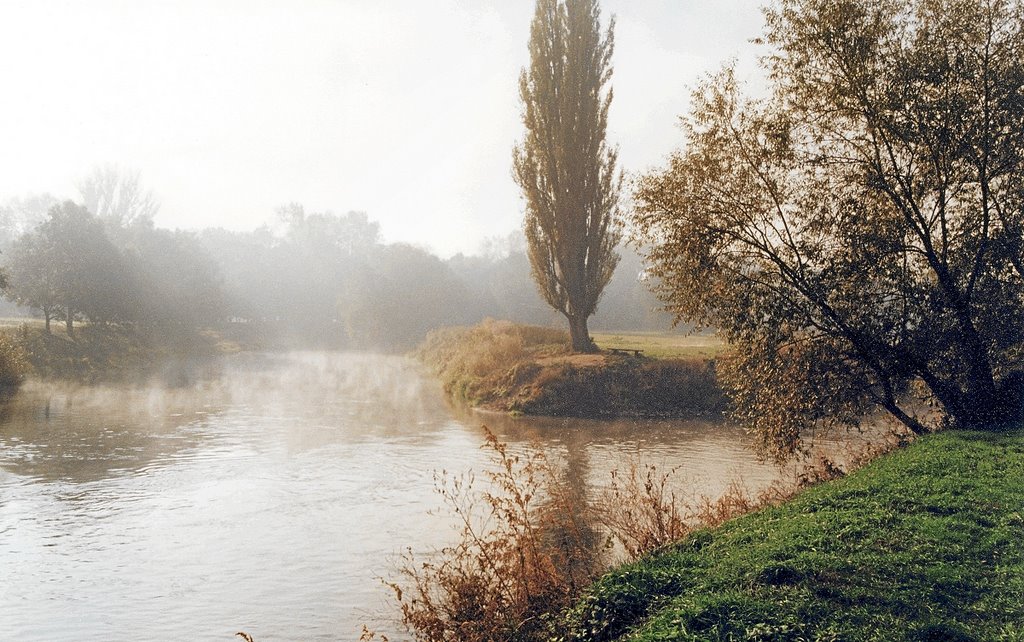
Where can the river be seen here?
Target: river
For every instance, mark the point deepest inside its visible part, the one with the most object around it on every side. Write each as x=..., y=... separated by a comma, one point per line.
x=267, y=494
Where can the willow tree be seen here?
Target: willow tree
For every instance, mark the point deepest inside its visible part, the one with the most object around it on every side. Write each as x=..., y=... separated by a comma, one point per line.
x=856, y=233
x=564, y=166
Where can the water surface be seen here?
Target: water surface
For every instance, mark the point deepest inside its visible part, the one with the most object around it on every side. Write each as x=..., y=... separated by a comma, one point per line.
x=269, y=494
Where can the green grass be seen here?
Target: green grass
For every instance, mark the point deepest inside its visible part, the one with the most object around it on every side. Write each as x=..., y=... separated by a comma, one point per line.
x=924, y=544
x=662, y=345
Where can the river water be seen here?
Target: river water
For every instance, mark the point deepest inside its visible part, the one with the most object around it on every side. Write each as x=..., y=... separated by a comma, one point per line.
x=267, y=494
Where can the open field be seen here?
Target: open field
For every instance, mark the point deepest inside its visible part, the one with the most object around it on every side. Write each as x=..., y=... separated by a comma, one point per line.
x=662, y=345
x=926, y=543
x=16, y=322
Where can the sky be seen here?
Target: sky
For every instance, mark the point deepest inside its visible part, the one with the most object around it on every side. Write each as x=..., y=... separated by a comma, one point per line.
x=404, y=109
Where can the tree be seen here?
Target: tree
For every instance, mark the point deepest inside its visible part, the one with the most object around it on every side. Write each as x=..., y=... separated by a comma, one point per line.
x=30, y=282
x=564, y=167
x=117, y=198
x=177, y=285
x=856, y=235
x=68, y=268
x=21, y=214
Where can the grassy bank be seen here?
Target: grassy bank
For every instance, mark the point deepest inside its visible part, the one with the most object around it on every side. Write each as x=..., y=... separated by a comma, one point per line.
x=662, y=345
x=926, y=543
x=502, y=366
x=107, y=353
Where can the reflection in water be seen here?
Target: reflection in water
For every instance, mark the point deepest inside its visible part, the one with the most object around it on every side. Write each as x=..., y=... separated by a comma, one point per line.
x=266, y=495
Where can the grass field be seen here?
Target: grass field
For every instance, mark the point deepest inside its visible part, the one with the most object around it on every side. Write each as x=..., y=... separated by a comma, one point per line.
x=926, y=543
x=15, y=322
x=662, y=345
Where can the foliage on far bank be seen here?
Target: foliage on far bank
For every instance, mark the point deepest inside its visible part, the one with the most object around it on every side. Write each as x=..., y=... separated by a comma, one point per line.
x=14, y=363
x=106, y=353
x=623, y=386
x=924, y=544
x=503, y=366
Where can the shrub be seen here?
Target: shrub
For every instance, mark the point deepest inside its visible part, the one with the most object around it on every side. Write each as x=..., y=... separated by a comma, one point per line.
x=523, y=552
x=14, y=365
x=478, y=363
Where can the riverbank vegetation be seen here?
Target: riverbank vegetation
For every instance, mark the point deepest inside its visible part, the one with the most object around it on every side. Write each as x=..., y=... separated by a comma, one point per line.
x=105, y=353
x=926, y=543
x=317, y=280
x=502, y=366
x=14, y=363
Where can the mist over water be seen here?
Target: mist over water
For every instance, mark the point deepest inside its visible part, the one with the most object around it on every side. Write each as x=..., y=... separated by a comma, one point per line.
x=267, y=494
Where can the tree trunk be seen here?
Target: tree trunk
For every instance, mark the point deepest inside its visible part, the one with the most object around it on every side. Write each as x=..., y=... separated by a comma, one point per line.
x=69, y=323
x=46, y=316
x=580, y=335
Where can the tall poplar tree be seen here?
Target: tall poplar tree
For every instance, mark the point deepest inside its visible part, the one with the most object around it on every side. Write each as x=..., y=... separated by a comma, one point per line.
x=564, y=166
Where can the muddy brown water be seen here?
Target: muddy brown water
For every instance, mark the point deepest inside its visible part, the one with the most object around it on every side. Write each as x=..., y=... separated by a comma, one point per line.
x=269, y=494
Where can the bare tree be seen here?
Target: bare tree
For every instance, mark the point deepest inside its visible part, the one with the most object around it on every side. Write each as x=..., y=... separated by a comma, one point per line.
x=117, y=197
x=564, y=167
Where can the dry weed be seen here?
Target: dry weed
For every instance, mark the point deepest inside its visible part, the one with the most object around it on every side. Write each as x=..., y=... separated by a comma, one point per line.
x=523, y=551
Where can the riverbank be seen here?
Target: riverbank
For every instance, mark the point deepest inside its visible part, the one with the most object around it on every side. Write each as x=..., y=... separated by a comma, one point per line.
x=109, y=353
x=505, y=367
x=926, y=543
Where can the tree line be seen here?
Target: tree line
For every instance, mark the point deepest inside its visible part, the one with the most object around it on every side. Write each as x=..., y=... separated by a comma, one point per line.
x=318, y=279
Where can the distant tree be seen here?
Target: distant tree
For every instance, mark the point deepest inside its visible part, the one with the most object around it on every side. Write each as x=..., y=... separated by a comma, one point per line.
x=176, y=284
x=564, y=167
x=351, y=234
x=21, y=214
x=117, y=197
x=68, y=269
x=857, y=235
x=303, y=279
x=402, y=294
x=30, y=281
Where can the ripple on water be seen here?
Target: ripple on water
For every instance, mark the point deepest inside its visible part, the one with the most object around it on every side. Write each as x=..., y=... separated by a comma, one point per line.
x=270, y=499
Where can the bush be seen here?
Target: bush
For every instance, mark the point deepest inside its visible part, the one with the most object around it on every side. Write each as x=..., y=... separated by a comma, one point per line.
x=478, y=363
x=523, y=552
x=14, y=365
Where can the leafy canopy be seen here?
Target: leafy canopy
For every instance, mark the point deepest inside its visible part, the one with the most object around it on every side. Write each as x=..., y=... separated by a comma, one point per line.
x=564, y=166
x=856, y=234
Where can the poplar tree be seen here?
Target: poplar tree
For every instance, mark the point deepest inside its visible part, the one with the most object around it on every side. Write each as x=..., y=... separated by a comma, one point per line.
x=564, y=166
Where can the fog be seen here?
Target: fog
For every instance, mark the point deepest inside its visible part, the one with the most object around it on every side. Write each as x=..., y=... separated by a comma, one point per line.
x=406, y=110
x=314, y=280
x=267, y=493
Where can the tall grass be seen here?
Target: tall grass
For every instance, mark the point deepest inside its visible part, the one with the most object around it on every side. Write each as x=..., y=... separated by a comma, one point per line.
x=480, y=363
x=14, y=364
x=529, y=369
x=523, y=551
x=527, y=548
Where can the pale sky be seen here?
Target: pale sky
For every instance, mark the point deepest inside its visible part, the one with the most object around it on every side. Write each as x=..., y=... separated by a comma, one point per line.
x=404, y=109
